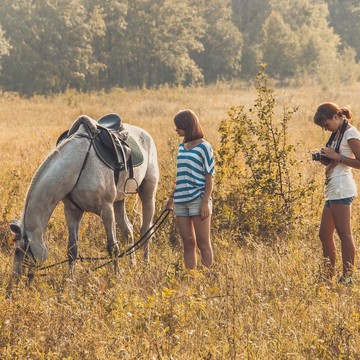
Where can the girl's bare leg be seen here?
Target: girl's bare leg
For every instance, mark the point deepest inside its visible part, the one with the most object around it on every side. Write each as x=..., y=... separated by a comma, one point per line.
x=326, y=235
x=202, y=231
x=342, y=220
x=187, y=233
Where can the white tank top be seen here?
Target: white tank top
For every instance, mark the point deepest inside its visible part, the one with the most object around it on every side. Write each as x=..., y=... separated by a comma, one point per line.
x=341, y=184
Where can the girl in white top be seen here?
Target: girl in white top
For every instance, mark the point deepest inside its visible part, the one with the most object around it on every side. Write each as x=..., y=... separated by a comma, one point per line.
x=340, y=187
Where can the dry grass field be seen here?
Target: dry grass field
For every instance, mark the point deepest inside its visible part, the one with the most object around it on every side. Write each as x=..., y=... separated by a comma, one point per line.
x=257, y=302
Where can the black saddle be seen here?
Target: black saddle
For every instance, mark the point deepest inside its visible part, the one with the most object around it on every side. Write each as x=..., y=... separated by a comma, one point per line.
x=111, y=122
x=112, y=144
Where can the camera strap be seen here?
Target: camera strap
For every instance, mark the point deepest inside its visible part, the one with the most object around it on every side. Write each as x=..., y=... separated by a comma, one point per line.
x=341, y=135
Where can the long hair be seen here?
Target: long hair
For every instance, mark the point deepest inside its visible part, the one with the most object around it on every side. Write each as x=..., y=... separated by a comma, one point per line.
x=327, y=110
x=187, y=121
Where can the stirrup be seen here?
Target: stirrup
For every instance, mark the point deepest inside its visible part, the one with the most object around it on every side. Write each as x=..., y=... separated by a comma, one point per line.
x=136, y=186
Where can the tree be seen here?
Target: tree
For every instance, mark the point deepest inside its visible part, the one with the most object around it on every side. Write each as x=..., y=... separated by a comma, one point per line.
x=160, y=36
x=222, y=42
x=307, y=42
x=108, y=42
x=18, y=68
x=74, y=52
x=280, y=47
x=4, y=45
x=249, y=17
x=344, y=16
x=51, y=46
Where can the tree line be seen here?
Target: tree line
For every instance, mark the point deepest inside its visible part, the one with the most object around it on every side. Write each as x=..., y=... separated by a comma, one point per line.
x=49, y=46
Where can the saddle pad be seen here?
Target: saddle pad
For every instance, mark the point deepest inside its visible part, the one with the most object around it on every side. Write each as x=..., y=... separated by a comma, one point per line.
x=136, y=154
x=107, y=155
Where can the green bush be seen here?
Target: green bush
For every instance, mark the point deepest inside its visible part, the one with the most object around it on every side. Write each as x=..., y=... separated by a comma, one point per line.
x=259, y=182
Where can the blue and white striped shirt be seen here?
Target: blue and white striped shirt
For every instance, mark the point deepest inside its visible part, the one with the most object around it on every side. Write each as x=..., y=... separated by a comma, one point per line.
x=192, y=166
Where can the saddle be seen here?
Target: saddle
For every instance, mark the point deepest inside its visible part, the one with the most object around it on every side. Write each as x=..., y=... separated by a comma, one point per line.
x=111, y=141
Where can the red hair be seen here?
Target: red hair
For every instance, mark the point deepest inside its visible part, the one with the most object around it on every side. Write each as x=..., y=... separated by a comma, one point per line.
x=327, y=110
x=188, y=121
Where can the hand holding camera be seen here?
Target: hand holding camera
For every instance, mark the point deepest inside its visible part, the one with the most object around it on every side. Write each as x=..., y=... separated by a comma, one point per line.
x=318, y=156
x=325, y=155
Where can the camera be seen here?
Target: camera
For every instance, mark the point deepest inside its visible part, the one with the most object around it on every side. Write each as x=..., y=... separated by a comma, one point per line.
x=318, y=156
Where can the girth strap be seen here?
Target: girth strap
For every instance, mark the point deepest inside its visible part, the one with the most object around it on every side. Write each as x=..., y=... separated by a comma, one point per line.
x=81, y=170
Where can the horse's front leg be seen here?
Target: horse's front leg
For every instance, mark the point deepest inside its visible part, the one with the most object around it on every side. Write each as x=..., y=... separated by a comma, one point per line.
x=112, y=246
x=24, y=264
x=73, y=218
x=17, y=269
x=125, y=225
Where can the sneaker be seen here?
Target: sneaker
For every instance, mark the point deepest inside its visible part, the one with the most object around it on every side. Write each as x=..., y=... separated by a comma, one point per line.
x=347, y=281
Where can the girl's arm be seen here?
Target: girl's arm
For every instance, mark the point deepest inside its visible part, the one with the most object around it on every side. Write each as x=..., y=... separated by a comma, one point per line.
x=204, y=207
x=355, y=147
x=209, y=184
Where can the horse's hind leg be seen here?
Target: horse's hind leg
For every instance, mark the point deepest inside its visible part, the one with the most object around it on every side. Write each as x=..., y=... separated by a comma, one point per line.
x=73, y=218
x=125, y=225
x=147, y=191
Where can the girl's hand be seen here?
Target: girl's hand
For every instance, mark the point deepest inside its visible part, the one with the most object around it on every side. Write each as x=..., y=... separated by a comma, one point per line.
x=330, y=153
x=170, y=204
x=204, y=209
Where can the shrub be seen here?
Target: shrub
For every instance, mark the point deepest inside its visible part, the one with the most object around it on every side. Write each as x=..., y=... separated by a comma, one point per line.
x=259, y=182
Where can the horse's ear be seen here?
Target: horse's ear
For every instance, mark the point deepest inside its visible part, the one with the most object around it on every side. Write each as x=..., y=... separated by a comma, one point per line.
x=15, y=227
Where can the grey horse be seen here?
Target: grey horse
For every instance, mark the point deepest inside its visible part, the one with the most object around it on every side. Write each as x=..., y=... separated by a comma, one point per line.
x=84, y=185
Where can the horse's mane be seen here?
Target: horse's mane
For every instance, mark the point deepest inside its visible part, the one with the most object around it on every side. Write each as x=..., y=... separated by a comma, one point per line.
x=36, y=176
x=87, y=121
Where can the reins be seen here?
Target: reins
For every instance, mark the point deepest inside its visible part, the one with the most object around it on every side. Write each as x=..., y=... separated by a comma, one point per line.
x=138, y=244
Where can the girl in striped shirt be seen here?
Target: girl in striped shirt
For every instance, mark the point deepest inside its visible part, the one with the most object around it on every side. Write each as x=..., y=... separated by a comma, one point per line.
x=191, y=198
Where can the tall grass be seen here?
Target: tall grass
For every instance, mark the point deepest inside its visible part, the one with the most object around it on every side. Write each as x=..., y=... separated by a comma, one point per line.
x=257, y=302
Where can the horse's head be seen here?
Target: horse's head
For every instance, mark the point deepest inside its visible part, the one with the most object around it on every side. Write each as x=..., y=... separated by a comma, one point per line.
x=27, y=245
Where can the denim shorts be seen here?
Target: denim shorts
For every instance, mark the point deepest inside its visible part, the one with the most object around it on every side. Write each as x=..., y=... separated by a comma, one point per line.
x=345, y=201
x=190, y=209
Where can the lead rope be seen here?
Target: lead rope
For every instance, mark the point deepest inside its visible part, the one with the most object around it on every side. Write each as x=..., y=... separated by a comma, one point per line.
x=141, y=242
